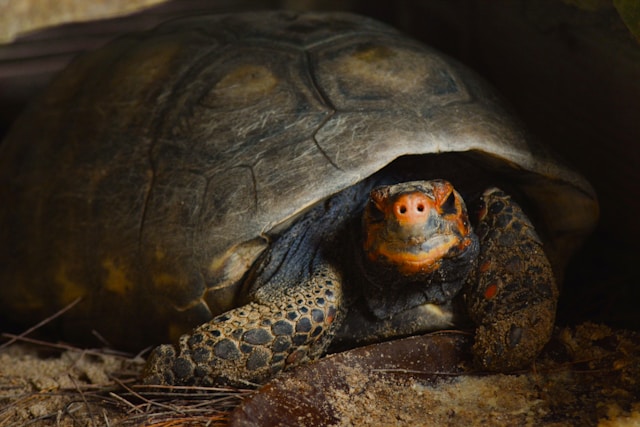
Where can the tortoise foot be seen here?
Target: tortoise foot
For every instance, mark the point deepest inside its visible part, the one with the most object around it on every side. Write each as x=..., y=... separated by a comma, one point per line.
x=250, y=344
x=512, y=296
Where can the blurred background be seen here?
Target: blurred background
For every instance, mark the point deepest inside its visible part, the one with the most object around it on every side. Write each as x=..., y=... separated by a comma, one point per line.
x=570, y=69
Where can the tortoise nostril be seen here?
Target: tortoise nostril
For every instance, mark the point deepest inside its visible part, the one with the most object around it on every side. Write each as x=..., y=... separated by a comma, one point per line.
x=420, y=208
x=403, y=209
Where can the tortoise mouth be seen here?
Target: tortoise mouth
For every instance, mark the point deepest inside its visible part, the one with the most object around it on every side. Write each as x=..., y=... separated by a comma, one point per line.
x=423, y=258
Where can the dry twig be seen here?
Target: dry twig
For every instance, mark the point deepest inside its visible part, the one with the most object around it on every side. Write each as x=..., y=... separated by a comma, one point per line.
x=117, y=401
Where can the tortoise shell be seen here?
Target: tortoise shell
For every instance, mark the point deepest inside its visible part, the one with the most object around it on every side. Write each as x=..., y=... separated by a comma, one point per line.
x=153, y=172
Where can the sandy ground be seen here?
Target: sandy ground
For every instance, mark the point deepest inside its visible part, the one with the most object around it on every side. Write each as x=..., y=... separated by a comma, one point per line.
x=589, y=376
x=47, y=386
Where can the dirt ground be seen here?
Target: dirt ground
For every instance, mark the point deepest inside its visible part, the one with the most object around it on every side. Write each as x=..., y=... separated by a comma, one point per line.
x=45, y=385
x=589, y=375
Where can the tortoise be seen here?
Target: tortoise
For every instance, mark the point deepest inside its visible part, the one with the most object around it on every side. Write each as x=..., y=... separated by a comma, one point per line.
x=287, y=184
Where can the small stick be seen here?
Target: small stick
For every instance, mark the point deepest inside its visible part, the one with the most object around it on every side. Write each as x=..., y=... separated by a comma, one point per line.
x=148, y=401
x=62, y=346
x=125, y=402
x=41, y=323
x=84, y=399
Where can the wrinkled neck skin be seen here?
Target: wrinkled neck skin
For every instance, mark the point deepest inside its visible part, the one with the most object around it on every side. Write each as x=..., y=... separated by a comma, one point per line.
x=389, y=293
x=385, y=305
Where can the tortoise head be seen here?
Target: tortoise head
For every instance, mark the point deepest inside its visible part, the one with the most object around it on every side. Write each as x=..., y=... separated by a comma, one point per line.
x=415, y=228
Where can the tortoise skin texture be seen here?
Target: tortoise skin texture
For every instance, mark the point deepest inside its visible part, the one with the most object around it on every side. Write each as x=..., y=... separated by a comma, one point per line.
x=217, y=167
x=511, y=295
x=249, y=344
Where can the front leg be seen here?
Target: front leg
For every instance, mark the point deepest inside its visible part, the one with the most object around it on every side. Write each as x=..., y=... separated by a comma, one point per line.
x=281, y=327
x=512, y=296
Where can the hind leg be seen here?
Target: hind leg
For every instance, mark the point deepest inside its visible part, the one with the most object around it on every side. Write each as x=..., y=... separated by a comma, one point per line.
x=512, y=296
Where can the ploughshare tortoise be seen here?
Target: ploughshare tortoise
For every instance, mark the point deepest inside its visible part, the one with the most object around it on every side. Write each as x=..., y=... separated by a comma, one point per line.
x=281, y=182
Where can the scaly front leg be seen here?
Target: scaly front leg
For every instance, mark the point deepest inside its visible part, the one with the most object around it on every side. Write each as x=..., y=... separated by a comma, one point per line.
x=281, y=327
x=512, y=296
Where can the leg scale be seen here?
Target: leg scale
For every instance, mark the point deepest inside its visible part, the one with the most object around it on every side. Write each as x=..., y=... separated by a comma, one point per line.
x=512, y=296
x=250, y=344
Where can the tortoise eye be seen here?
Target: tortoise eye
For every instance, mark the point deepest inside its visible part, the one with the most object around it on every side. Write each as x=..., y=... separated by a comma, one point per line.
x=449, y=205
x=374, y=213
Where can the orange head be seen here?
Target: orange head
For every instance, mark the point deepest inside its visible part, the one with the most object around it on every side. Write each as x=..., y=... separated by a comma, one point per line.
x=414, y=226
